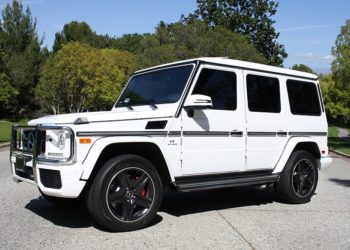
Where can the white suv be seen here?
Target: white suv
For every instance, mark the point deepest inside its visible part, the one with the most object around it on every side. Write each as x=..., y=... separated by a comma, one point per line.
x=191, y=125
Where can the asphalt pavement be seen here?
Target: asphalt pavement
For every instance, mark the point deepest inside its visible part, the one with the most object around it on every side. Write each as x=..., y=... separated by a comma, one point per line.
x=240, y=218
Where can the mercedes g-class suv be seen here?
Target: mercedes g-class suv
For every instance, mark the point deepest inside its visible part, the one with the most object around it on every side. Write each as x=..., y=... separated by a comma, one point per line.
x=192, y=125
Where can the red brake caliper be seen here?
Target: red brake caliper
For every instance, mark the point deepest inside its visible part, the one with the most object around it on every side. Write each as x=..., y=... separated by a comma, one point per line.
x=143, y=190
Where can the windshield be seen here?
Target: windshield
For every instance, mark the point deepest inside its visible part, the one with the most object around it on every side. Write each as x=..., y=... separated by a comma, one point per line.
x=158, y=87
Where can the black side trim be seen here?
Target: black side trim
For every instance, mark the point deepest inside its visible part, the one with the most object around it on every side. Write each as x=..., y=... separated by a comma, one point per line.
x=206, y=133
x=204, y=182
x=122, y=133
x=195, y=133
x=263, y=134
x=156, y=124
x=283, y=133
x=308, y=133
x=207, y=177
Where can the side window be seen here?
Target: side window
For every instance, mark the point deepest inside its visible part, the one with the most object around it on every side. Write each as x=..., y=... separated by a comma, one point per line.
x=263, y=94
x=303, y=98
x=221, y=86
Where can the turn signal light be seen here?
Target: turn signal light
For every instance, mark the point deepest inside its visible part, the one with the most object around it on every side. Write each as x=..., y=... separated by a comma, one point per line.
x=85, y=140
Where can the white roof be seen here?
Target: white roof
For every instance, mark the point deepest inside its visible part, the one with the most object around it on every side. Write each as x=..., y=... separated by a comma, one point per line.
x=241, y=64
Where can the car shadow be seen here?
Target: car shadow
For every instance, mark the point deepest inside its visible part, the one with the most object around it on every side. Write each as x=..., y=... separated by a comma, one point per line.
x=71, y=215
x=75, y=214
x=342, y=182
x=179, y=204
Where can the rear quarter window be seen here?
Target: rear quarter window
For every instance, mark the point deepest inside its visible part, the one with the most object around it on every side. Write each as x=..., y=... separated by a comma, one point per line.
x=303, y=98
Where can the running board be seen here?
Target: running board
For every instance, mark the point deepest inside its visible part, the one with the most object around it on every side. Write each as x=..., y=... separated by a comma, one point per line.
x=188, y=185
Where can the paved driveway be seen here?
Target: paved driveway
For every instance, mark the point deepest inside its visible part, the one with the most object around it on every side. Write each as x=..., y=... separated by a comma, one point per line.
x=243, y=218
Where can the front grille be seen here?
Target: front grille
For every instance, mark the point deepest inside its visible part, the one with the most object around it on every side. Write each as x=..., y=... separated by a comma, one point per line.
x=26, y=138
x=22, y=167
x=27, y=174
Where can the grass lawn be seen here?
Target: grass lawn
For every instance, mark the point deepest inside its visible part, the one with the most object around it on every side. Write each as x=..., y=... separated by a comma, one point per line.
x=334, y=142
x=5, y=129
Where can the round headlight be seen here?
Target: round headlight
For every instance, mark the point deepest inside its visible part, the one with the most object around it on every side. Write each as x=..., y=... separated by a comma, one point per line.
x=61, y=140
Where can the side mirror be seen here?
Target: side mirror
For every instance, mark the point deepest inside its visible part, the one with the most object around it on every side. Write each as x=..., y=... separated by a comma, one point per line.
x=197, y=102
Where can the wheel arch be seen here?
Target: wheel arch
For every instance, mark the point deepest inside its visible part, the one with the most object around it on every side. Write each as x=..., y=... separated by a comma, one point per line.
x=310, y=147
x=307, y=144
x=146, y=149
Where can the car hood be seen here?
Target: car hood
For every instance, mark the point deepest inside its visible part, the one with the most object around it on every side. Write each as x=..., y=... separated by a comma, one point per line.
x=99, y=117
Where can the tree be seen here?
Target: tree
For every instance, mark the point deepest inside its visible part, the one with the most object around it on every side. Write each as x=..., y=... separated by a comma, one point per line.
x=81, y=32
x=128, y=42
x=80, y=77
x=21, y=56
x=180, y=41
x=8, y=95
x=251, y=18
x=73, y=32
x=341, y=64
x=303, y=68
x=337, y=101
x=336, y=87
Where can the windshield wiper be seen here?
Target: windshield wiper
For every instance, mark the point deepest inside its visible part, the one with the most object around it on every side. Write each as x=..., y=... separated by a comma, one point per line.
x=151, y=103
x=128, y=105
x=125, y=104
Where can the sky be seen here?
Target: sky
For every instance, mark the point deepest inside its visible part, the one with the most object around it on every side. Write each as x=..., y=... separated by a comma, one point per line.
x=308, y=28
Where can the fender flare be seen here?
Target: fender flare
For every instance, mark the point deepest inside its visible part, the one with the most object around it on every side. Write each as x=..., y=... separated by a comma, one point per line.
x=100, y=144
x=288, y=149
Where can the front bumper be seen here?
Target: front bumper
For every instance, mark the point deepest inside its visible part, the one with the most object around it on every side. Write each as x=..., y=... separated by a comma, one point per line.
x=52, y=178
x=69, y=177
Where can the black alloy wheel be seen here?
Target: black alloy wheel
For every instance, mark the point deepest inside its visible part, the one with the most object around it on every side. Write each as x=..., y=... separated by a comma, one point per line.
x=125, y=194
x=298, y=180
x=130, y=194
x=303, y=178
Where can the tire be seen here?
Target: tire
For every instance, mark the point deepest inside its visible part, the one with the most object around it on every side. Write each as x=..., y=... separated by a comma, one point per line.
x=298, y=180
x=125, y=194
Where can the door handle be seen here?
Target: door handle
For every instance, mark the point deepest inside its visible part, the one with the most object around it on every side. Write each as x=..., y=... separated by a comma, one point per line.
x=282, y=133
x=236, y=133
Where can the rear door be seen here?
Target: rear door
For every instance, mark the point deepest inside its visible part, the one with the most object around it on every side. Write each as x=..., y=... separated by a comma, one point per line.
x=266, y=119
x=213, y=140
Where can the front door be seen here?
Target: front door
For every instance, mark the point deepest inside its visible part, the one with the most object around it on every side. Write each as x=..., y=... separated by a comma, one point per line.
x=213, y=140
